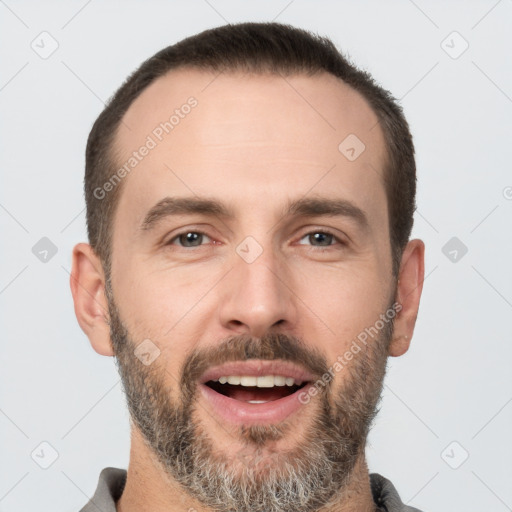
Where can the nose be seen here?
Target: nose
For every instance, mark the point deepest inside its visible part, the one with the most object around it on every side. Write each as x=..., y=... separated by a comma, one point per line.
x=257, y=297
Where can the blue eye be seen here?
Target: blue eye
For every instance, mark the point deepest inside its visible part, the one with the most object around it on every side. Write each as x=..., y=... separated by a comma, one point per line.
x=189, y=239
x=320, y=238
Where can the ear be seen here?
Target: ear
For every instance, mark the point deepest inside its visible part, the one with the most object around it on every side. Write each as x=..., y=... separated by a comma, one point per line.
x=409, y=287
x=87, y=283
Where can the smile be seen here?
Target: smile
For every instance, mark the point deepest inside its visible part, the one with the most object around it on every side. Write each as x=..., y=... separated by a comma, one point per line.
x=260, y=392
x=255, y=390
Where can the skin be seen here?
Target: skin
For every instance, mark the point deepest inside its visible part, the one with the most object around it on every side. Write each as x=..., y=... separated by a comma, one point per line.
x=255, y=143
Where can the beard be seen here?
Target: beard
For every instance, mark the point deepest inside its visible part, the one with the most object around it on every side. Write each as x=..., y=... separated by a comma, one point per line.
x=313, y=474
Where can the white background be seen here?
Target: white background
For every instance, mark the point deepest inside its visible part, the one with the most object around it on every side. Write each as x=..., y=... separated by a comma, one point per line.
x=455, y=384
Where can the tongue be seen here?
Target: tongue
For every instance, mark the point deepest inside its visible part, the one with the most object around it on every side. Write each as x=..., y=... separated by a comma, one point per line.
x=245, y=394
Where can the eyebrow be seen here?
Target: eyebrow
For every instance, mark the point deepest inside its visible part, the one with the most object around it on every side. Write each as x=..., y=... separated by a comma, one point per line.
x=170, y=206
x=305, y=207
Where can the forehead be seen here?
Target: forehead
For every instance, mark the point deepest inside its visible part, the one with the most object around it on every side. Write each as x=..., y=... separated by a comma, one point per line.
x=242, y=136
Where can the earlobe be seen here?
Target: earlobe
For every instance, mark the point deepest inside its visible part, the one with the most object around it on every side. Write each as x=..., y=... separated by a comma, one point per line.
x=409, y=288
x=399, y=345
x=87, y=282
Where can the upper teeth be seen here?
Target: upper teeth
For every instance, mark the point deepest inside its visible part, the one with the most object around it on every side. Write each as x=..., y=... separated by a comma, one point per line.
x=267, y=381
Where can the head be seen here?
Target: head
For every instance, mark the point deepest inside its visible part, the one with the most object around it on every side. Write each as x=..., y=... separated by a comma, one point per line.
x=250, y=198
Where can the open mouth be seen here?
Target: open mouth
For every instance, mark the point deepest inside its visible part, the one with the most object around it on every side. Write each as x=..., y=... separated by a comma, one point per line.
x=255, y=391
x=255, y=394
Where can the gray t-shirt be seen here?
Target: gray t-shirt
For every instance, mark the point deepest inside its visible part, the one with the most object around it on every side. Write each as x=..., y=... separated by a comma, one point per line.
x=112, y=480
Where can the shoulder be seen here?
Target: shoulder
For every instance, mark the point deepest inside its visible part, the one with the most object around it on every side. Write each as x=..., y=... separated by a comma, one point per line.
x=386, y=496
x=110, y=486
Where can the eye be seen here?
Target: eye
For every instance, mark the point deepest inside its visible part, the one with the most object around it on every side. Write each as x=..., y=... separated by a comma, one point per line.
x=320, y=239
x=189, y=239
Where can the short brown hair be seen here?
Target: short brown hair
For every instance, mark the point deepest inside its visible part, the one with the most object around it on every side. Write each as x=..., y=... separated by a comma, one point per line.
x=260, y=48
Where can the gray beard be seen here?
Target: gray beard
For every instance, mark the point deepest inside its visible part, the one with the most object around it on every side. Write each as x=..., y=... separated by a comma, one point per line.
x=312, y=475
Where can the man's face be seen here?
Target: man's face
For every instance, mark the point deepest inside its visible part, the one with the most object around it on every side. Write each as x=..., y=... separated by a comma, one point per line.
x=259, y=282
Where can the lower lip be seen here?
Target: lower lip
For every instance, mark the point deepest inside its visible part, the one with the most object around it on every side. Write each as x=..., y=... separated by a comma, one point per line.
x=238, y=412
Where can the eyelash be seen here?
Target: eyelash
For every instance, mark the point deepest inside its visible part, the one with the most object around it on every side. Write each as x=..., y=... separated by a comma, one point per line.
x=313, y=232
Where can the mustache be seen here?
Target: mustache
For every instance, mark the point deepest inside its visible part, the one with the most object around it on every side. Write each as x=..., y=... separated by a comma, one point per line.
x=243, y=347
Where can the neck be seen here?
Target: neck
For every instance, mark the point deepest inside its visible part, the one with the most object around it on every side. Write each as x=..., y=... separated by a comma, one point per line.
x=149, y=488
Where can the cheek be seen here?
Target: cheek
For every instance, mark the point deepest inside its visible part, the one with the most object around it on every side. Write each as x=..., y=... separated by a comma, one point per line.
x=343, y=302
x=164, y=303
x=155, y=308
